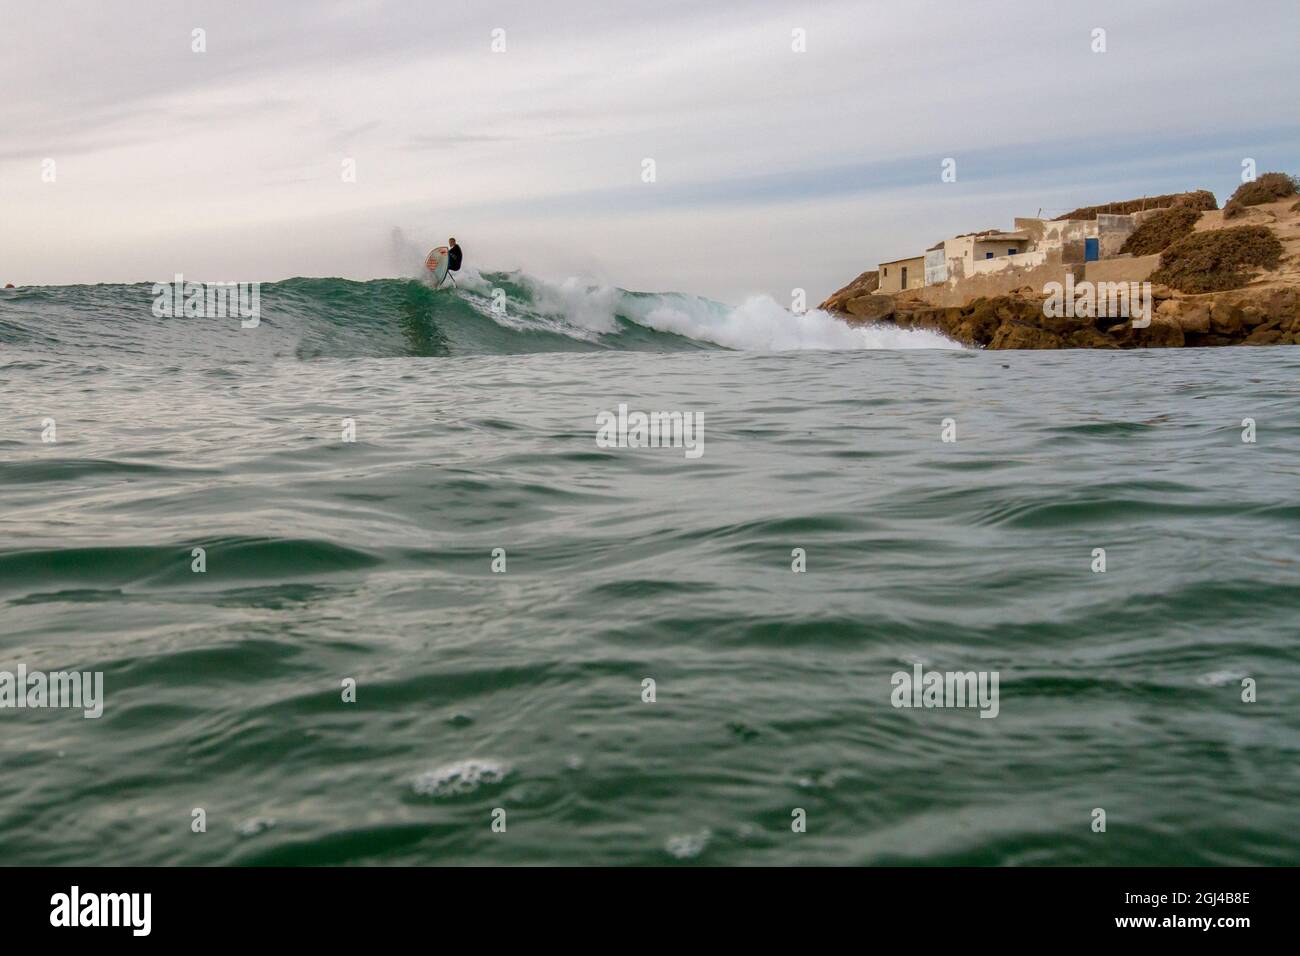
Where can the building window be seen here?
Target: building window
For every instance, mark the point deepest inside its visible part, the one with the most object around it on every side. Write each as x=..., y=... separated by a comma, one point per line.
x=1011, y=252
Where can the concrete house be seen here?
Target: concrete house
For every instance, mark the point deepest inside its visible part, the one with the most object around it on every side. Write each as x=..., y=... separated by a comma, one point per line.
x=952, y=259
x=964, y=254
x=936, y=265
x=1083, y=240
x=902, y=274
x=1037, y=251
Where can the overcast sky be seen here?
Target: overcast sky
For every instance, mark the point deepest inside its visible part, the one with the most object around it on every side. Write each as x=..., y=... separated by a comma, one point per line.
x=775, y=169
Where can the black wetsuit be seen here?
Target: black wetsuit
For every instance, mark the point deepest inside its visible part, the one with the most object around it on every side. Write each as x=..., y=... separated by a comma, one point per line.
x=453, y=258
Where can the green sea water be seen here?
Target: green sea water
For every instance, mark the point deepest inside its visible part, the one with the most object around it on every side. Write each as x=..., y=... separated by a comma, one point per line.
x=519, y=697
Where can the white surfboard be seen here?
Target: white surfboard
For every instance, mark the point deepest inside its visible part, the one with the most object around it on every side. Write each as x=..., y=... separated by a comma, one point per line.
x=437, y=264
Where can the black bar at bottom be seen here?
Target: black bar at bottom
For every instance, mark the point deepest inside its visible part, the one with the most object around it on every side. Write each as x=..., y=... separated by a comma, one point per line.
x=335, y=905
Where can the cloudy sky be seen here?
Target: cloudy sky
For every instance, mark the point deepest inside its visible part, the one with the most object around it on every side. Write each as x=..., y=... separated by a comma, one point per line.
x=774, y=169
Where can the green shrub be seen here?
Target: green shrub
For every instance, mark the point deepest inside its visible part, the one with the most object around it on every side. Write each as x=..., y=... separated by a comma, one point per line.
x=1267, y=188
x=1160, y=231
x=1219, y=259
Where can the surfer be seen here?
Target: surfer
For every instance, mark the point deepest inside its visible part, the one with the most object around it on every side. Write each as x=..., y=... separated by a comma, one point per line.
x=443, y=261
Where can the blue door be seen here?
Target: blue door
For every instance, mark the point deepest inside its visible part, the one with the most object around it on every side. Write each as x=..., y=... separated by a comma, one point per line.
x=1091, y=250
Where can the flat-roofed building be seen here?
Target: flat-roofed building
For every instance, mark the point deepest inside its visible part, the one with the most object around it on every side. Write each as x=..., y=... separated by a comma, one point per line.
x=962, y=252
x=899, y=275
x=936, y=265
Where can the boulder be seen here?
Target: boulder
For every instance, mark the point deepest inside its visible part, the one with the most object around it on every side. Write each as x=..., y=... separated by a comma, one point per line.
x=1282, y=305
x=871, y=308
x=1019, y=334
x=975, y=330
x=1170, y=307
x=1227, y=318
x=864, y=284
x=1267, y=337
x=1164, y=332
x=1060, y=324
x=1090, y=338
x=1194, y=316
x=1253, y=316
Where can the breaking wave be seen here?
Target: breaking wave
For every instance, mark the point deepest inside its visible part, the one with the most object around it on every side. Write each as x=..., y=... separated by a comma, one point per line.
x=492, y=313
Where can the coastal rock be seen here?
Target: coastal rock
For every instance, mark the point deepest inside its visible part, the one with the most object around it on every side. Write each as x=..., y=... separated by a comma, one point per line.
x=975, y=331
x=1267, y=315
x=864, y=284
x=1225, y=321
x=927, y=319
x=1268, y=337
x=1191, y=316
x=1164, y=332
x=1065, y=324
x=1227, y=318
x=1090, y=338
x=1019, y=334
x=875, y=307
x=1281, y=304
x=1209, y=306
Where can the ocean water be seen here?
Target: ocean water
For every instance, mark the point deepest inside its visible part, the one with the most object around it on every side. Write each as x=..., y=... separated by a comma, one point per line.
x=520, y=697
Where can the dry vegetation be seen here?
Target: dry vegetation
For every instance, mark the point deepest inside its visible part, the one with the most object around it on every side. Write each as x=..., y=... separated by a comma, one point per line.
x=1200, y=200
x=1218, y=260
x=1267, y=188
x=1160, y=231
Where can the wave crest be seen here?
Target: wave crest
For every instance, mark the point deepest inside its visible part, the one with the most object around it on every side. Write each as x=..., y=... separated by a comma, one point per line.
x=485, y=313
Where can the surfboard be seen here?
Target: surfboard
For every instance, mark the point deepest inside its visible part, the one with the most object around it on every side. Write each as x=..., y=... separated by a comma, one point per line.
x=437, y=264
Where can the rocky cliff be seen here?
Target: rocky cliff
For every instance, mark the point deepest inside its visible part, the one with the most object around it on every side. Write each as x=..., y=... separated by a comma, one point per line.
x=1269, y=316
x=1265, y=310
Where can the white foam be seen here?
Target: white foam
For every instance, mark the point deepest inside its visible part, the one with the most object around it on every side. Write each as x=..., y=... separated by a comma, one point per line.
x=1220, y=678
x=457, y=779
x=687, y=846
x=589, y=307
x=254, y=825
x=757, y=324
x=760, y=324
